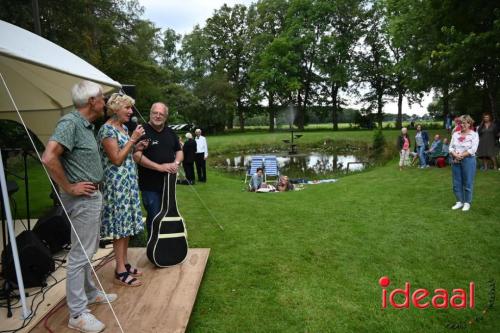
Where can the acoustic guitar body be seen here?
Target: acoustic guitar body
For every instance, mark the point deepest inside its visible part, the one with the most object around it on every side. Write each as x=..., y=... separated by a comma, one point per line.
x=167, y=244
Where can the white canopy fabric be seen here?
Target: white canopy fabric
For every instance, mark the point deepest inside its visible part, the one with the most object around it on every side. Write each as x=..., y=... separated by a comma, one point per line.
x=39, y=75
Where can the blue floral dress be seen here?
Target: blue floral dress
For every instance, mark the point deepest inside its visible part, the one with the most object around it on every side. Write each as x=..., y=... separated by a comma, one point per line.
x=122, y=215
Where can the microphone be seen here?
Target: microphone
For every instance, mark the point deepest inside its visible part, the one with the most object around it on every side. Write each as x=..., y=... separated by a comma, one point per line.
x=134, y=120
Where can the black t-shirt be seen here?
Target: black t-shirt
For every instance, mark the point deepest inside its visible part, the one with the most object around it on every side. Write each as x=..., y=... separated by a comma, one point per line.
x=162, y=149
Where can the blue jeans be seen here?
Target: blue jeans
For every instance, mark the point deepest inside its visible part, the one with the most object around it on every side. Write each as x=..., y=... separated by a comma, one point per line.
x=421, y=155
x=463, y=178
x=152, y=203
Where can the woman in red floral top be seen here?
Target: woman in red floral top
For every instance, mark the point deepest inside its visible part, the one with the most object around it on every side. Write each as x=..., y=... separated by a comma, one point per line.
x=463, y=149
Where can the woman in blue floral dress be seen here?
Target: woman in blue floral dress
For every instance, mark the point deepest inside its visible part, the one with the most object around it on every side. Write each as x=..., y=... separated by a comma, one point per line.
x=121, y=216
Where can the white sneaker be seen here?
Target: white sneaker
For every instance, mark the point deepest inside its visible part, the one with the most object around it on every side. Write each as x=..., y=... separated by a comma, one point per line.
x=86, y=322
x=100, y=298
x=466, y=207
x=458, y=205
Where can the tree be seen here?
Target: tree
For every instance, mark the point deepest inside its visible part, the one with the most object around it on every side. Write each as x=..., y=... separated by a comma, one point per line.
x=306, y=24
x=270, y=63
x=217, y=101
x=457, y=49
x=228, y=44
x=337, y=47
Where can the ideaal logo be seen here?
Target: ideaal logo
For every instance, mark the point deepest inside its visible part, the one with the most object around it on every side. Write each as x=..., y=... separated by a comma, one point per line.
x=460, y=299
x=421, y=298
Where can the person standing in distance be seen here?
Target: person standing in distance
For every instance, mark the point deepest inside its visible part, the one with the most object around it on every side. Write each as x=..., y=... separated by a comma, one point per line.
x=189, y=150
x=73, y=161
x=162, y=155
x=463, y=149
x=201, y=156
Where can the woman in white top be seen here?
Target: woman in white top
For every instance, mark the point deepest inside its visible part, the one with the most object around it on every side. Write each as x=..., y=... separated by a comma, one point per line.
x=463, y=149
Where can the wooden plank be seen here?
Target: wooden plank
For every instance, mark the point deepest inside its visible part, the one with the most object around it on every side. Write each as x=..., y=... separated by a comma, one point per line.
x=54, y=294
x=162, y=304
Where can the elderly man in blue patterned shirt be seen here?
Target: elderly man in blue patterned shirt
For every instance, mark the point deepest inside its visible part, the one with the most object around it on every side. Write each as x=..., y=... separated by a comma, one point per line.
x=73, y=161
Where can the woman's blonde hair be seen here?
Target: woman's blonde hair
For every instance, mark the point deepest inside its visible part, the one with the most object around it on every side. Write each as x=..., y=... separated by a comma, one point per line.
x=468, y=119
x=117, y=101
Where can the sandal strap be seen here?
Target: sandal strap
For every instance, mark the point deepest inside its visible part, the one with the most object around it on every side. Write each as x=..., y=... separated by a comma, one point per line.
x=129, y=269
x=123, y=276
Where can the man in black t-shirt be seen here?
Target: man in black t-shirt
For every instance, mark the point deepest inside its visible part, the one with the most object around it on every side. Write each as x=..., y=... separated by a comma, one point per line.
x=162, y=155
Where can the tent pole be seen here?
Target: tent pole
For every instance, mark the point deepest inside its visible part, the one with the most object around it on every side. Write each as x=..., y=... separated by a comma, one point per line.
x=13, y=244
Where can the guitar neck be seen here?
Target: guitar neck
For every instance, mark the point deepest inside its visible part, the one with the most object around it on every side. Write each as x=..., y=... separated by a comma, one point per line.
x=169, y=199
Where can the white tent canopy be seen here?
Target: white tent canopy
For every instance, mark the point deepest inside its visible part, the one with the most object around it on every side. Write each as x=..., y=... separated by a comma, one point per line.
x=40, y=74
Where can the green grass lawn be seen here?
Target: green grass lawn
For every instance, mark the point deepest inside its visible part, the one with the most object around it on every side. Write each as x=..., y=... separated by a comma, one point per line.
x=310, y=260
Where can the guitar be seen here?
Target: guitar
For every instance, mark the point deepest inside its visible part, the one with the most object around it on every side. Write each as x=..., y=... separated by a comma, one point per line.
x=167, y=244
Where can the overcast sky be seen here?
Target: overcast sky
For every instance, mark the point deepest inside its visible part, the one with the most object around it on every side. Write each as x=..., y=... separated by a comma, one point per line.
x=183, y=15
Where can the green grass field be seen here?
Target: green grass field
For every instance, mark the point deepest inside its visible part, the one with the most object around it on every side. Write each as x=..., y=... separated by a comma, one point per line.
x=310, y=260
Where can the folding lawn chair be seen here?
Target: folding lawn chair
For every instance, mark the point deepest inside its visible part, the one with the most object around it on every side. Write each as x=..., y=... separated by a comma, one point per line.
x=271, y=167
x=256, y=162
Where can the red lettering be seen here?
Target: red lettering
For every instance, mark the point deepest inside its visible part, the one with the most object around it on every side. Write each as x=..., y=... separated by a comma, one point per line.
x=472, y=288
x=419, y=295
x=460, y=295
x=384, y=298
x=384, y=282
x=440, y=294
x=440, y=299
x=405, y=293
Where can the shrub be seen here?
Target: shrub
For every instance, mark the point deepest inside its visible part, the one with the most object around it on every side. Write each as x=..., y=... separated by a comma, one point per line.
x=379, y=143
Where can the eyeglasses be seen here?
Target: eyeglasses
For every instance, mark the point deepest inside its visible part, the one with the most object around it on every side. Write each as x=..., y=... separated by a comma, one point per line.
x=158, y=114
x=114, y=96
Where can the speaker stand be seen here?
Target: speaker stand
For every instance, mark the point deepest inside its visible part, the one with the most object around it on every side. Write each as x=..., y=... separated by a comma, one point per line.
x=7, y=289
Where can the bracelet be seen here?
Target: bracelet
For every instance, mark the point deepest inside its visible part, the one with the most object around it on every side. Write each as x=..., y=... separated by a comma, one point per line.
x=132, y=140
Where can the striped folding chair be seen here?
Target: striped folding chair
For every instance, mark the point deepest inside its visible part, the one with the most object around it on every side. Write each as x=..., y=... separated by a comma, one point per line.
x=256, y=162
x=271, y=167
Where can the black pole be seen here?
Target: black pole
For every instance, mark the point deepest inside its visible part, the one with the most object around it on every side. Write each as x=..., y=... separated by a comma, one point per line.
x=36, y=17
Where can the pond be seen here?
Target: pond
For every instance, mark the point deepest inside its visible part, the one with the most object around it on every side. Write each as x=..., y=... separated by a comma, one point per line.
x=306, y=165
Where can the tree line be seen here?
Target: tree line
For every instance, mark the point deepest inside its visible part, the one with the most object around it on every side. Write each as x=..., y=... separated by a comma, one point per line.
x=275, y=54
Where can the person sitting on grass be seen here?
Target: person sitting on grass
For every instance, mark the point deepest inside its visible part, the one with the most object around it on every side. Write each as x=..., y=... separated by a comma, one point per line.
x=284, y=184
x=446, y=151
x=257, y=180
x=435, y=150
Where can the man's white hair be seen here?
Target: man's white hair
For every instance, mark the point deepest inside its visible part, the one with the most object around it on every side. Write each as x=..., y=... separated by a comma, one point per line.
x=84, y=90
x=160, y=104
x=189, y=135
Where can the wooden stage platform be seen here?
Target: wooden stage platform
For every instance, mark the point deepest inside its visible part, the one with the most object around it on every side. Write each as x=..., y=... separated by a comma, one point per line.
x=162, y=304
